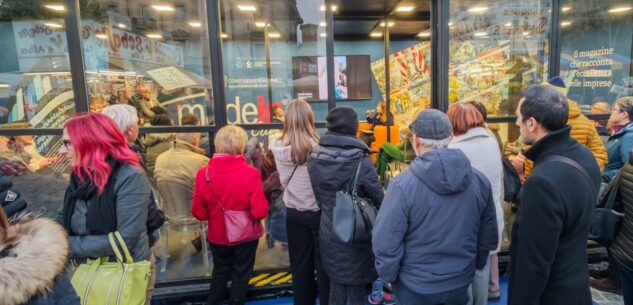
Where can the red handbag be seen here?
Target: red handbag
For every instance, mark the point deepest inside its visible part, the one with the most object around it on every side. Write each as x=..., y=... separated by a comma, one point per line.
x=240, y=226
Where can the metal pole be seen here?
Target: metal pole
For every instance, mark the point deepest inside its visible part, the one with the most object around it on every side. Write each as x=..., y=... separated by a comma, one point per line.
x=269, y=73
x=387, y=77
x=76, y=55
x=329, y=53
x=555, y=40
x=217, y=71
x=440, y=15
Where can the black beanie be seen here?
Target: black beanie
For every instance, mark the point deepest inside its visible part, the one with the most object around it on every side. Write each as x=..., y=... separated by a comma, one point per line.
x=343, y=120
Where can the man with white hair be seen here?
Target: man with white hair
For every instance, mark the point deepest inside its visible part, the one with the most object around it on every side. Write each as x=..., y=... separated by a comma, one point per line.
x=126, y=117
x=437, y=222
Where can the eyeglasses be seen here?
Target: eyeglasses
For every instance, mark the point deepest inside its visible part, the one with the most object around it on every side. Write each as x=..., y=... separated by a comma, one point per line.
x=66, y=143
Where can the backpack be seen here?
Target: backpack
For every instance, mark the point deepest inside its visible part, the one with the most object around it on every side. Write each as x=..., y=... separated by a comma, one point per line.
x=511, y=182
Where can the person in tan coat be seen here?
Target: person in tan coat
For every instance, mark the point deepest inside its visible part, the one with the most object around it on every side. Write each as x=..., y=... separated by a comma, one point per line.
x=582, y=129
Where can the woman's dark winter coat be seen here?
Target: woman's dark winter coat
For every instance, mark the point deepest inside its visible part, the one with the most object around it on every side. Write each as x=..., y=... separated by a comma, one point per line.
x=32, y=263
x=548, y=252
x=622, y=247
x=331, y=166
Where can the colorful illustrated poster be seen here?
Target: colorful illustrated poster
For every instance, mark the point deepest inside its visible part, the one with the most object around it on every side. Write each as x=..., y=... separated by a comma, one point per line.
x=410, y=81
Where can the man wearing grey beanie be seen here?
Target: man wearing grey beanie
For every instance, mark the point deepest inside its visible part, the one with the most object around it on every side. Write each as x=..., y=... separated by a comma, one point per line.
x=437, y=223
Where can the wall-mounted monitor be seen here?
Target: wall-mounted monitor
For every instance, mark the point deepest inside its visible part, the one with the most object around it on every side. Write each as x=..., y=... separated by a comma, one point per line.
x=352, y=77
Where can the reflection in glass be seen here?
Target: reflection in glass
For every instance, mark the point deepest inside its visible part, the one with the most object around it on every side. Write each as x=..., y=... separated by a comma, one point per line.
x=35, y=80
x=597, y=47
x=153, y=57
x=273, y=52
x=497, y=48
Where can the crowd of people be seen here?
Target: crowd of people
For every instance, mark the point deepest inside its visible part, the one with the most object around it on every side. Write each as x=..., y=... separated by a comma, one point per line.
x=434, y=240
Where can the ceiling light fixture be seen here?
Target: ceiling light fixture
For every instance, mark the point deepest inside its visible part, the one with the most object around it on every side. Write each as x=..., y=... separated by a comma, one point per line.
x=102, y=36
x=478, y=9
x=323, y=24
x=55, y=7
x=323, y=34
x=565, y=8
x=224, y=35
x=163, y=7
x=53, y=25
x=247, y=8
x=526, y=33
x=480, y=34
x=122, y=26
x=334, y=8
x=155, y=36
x=195, y=24
x=620, y=9
x=508, y=25
x=424, y=34
x=274, y=35
x=565, y=23
x=375, y=34
x=260, y=24
x=4, y=86
x=390, y=24
x=405, y=8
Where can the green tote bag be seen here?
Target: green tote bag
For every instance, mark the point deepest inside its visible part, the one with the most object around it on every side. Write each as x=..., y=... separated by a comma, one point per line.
x=100, y=282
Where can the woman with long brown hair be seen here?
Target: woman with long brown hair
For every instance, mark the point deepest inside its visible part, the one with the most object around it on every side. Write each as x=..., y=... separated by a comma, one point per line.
x=291, y=151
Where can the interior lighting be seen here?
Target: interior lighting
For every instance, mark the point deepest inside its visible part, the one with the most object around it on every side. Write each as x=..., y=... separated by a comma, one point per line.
x=323, y=34
x=390, y=24
x=55, y=7
x=375, y=34
x=565, y=23
x=480, y=34
x=122, y=26
x=53, y=25
x=424, y=34
x=224, y=35
x=195, y=24
x=334, y=8
x=323, y=24
x=163, y=7
x=566, y=8
x=4, y=86
x=526, y=33
x=260, y=24
x=478, y=9
x=102, y=36
x=274, y=35
x=620, y=9
x=247, y=8
x=155, y=36
x=508, y=25
x=405, y=8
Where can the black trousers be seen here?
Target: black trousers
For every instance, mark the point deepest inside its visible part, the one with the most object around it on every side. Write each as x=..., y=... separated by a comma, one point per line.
x=305, y=257
x=347, y=294
x=234, y=263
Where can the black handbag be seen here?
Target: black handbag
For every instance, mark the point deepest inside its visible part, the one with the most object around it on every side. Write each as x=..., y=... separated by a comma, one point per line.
x=354, y=216
x=605, y=222
x=511, y=182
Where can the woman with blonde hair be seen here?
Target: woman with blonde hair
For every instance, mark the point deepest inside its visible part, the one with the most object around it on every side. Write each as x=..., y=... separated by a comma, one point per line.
x=228, y=183
x=380, y=117
x=291, y=151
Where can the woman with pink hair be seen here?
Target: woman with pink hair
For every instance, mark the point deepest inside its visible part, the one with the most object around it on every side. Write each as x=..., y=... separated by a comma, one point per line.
x=109, y=191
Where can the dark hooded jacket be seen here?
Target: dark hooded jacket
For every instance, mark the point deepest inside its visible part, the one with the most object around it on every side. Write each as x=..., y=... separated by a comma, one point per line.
x=437, y=224
x=330, y=167
x=548, y=252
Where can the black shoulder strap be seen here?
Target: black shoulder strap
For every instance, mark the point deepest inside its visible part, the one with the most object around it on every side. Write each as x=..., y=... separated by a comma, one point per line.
x=293, y=173
x=574, y=164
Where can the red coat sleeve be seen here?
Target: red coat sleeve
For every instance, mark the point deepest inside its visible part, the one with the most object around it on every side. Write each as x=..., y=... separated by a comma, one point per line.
x=259, y=205
x=199, y=206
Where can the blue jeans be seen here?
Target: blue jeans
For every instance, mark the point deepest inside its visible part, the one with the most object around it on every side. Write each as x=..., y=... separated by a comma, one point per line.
x=626, y=278
x=478, y=290
x=408, y=297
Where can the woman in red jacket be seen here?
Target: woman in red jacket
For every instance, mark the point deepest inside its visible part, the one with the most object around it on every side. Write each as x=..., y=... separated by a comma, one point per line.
x=238, y=187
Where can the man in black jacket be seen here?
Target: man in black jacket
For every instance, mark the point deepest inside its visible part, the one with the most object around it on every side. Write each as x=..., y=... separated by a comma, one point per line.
x=548, y=252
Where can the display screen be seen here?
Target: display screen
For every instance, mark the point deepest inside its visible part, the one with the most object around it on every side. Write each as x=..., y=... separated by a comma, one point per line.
x=352, y=77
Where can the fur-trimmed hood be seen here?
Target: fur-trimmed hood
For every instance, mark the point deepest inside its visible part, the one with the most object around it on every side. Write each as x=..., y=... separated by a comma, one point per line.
x=33, y=255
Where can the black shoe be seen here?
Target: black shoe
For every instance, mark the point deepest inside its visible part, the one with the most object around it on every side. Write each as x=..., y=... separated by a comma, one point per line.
x=598, y=274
